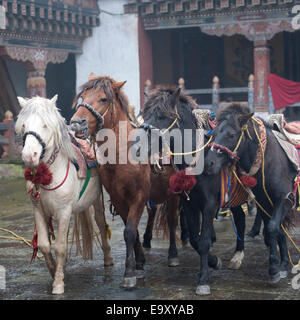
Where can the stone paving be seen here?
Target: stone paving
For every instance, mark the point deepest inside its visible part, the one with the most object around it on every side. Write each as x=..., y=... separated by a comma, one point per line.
x=91, y=280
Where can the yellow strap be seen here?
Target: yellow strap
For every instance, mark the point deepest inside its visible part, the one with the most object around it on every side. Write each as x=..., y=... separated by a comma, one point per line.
x=171, y=126
x=191, y=152
x=262, y=164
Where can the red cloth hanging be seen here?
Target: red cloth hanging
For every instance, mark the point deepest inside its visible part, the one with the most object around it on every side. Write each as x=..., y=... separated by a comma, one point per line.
x=284, y=92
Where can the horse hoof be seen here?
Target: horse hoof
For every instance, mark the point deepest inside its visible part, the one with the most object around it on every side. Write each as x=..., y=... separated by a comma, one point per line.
x=219, y=264
x=235, y=265
x=252, y=234
x=283, y=274
x=173, y=262
x=59, y=289
x=140, y=274
x=108, y=262
x=185, y=244
x=147, y=250
x=129, y=282
x=203, y=290
x=275, y=278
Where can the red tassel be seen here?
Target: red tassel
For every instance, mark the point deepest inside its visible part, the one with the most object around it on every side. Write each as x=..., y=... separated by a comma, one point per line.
x=180, y=181
x=34, y=243
x=248, y=181
x=42, y=176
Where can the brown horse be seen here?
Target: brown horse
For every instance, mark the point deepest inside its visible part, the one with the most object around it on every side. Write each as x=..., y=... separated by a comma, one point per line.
x=130, y=185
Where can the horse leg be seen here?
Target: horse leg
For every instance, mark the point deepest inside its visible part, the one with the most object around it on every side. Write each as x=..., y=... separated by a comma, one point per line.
x=60, y=247
x=184, y=229
x=130, y=233
x=149, y=228
x=283, y=254
x=139, y=257
x=172, y=206
x=272, y=236
x=256, y=226
x=201, y=243
x=103, y=228
x=239, y=220
x=43, y=240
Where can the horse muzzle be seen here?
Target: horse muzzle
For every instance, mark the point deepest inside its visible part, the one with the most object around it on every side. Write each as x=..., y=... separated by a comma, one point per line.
x=80, y=127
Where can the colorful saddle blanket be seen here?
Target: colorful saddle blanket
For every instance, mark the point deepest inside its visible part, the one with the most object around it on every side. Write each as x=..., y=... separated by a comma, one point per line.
x=291, y=130
x=232, y=193
x=290, y=150
x=85, y=156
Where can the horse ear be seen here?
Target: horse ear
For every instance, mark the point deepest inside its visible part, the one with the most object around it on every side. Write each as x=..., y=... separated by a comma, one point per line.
x=92, y=76
x=243, y=119
x=54, y=99
x=176, y=96
x=22, y=102
x=118, y=85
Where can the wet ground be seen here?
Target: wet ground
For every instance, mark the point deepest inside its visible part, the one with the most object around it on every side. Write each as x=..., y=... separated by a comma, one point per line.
x=91, y=280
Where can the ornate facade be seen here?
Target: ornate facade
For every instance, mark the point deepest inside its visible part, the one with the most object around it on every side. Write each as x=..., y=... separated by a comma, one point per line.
x=41, y=31
x=257, y=20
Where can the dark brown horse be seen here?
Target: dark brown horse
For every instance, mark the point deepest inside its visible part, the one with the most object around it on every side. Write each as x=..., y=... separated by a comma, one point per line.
x=130, y=185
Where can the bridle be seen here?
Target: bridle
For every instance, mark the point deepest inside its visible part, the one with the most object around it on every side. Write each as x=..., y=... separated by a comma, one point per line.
x=99, y=117
x=40, y=140
x=232, y=154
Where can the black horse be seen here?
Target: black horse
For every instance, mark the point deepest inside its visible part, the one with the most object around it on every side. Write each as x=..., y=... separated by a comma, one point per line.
x=163, y=106
x=240, y=133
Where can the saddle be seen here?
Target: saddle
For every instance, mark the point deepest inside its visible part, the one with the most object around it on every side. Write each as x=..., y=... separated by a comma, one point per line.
x=288, y=137
x=290, y=131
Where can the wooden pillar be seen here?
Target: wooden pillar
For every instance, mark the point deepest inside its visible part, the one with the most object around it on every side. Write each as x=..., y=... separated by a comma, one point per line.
x=145, y=58
x=36, y=83
x=10, y=150
x=261, y=72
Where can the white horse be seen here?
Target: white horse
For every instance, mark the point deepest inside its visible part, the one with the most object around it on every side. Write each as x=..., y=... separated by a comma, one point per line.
x=46, y=141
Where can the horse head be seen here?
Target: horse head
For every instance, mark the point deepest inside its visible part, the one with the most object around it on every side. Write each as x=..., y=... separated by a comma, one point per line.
x=167, y=113
x=96, y=100
x=43, y=130
x=228, y=138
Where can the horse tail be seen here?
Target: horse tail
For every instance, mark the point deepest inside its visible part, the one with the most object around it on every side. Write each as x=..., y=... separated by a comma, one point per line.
x=291, y=210
x=83, y=226
x=161, y=221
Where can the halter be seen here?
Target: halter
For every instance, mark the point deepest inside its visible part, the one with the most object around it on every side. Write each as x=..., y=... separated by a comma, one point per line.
x=232, y=154
x=96, y=114
x=40, y=140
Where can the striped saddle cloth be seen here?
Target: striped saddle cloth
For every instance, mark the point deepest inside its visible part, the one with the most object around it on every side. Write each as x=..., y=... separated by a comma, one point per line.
x=232, y=193
x=290, y=149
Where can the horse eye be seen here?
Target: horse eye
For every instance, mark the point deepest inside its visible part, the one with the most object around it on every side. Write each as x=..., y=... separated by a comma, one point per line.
x=230, y=135
x=45, y=126
x=103, y=100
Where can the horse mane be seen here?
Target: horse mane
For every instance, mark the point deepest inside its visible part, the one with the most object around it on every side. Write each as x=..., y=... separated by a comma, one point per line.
x=232, y=110
x=106, y=84
x=51, y=116
x=159, y=101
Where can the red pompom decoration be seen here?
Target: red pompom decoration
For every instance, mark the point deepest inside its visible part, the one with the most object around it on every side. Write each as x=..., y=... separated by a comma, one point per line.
x=42, y=176
x=180, y=181
x=248, y=181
